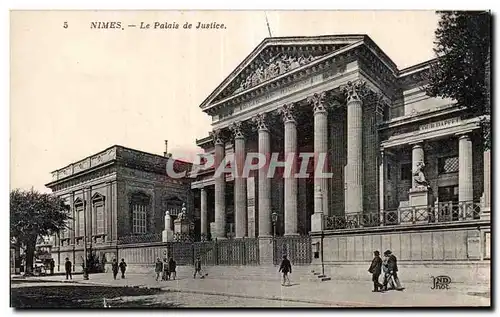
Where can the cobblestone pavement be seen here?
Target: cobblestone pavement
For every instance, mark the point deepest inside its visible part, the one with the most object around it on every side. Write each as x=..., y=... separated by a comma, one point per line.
x=303, y=292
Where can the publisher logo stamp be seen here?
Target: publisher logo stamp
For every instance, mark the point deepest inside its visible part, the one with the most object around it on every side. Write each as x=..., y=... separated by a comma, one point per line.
x=441, y=282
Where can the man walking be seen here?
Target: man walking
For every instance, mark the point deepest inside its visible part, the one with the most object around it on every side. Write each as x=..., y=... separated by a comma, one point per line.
x=197, y=267
x=68, y=266
x=172, y=265
x=158, y=268
x=123, y=267
x=392, y=265
x=114, y=268
x=285, y=268
x=376, y=270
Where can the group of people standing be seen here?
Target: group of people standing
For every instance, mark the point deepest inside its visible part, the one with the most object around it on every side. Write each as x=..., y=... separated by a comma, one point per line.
x=388, y=266
x=165, y=270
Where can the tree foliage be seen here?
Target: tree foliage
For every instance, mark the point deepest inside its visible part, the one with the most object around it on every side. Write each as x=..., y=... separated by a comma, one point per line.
x=462, y=70
x=34, y=215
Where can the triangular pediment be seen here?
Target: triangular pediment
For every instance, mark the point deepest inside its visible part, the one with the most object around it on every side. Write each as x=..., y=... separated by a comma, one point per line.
x=274, y=57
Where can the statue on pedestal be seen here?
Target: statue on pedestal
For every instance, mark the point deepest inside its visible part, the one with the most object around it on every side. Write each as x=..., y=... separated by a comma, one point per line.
x=419, y=176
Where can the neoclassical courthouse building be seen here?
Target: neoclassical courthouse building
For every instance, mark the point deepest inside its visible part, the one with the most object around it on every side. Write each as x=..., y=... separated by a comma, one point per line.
x=409, y=172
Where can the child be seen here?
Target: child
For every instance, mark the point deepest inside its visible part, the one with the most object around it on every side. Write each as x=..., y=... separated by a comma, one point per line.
x=376, y=270
x=197, y=267
x=285, y=268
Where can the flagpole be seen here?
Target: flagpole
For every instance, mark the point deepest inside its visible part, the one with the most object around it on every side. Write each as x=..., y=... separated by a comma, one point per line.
x=267, y=22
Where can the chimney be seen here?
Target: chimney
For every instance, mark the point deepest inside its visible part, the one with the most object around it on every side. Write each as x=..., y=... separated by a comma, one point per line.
x=166, y=149
x=166, y=154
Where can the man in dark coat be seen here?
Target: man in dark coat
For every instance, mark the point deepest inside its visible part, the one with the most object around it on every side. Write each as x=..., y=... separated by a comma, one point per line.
x=68, y=266
x=376, y=270
x=197, y=267
x=114, y=268
x=285, y=268
x=392, y=264
x=123, y=267
x=158, y=268
x=172, y=265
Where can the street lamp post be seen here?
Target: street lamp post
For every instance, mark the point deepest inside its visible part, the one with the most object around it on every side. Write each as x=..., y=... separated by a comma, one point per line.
x=274, y=219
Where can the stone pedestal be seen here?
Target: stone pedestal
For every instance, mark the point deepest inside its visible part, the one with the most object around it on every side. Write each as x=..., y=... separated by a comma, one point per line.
x=181, y=226
x=317, y=217
x=266, y=250
x=419, y=201
x=168, y=233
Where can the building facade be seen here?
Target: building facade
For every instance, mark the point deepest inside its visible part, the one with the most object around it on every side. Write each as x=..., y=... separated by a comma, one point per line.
x=117, y=197
x=398, y=158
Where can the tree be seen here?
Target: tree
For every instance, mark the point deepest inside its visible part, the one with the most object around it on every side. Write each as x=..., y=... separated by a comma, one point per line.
x=34, y=215
x=462, y=70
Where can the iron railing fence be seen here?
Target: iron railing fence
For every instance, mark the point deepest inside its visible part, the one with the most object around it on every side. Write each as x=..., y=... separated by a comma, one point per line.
x=439, y=212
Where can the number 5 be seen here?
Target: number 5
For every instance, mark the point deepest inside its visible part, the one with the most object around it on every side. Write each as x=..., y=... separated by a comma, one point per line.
x=65, y=25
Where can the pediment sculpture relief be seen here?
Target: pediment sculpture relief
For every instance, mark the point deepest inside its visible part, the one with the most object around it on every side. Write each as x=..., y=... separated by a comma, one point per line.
x=276, y=66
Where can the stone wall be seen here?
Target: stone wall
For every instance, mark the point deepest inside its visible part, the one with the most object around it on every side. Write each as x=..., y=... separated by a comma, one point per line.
x=420, y=249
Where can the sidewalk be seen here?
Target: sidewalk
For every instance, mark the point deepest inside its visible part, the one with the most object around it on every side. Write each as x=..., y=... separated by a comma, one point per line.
x=335, y=293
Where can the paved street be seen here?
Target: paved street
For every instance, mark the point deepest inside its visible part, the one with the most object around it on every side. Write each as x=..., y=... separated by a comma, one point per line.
x=226, y=291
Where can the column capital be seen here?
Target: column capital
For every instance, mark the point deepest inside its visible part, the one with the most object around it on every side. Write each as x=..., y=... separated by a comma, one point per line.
x=354, y=90
x=287, y=113
x=463, y=135
x=202, y=189
x=237, y=130
x=318, y=102
x=217, y=137
x=261, y=121
x=417, y=144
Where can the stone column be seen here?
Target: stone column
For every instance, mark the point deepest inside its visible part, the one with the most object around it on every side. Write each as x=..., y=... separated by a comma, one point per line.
x=73, y=221
x=109, y=213
x=240, y=183
x=417, y=157
x=264, y=196
x=381, y=187
x=203, y=214
x=354, y=167
x=465, y=192
x=321, y=146
x=290, y=149
x=486, y=206
x=220, y=188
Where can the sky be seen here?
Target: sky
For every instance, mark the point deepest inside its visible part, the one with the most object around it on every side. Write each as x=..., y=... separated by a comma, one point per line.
x=76, y=91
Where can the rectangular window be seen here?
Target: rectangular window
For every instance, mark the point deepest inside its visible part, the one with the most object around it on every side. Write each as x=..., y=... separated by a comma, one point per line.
x=99, y=212
x=139, y=219
x=406, y=171
x=81, y=221
x=448, y=164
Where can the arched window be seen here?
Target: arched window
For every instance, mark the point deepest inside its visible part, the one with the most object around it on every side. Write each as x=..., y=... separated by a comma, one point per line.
x=139, y=212
x=79, y=217
x=98, y=217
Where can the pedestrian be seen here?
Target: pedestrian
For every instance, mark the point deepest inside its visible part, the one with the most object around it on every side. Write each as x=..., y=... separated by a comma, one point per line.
x=166, y=274
x=376, y=269
x=172, y=265
x=392, y=265
x=388, y=282
x=123, y=267
x=158, y=268
x=114, y=268
x=285, y=268
x=51, y=266
x=197, y=267
x=68, y=268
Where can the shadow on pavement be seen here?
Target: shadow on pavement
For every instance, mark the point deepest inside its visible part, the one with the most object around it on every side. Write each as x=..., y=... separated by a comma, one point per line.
x=78, y=296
